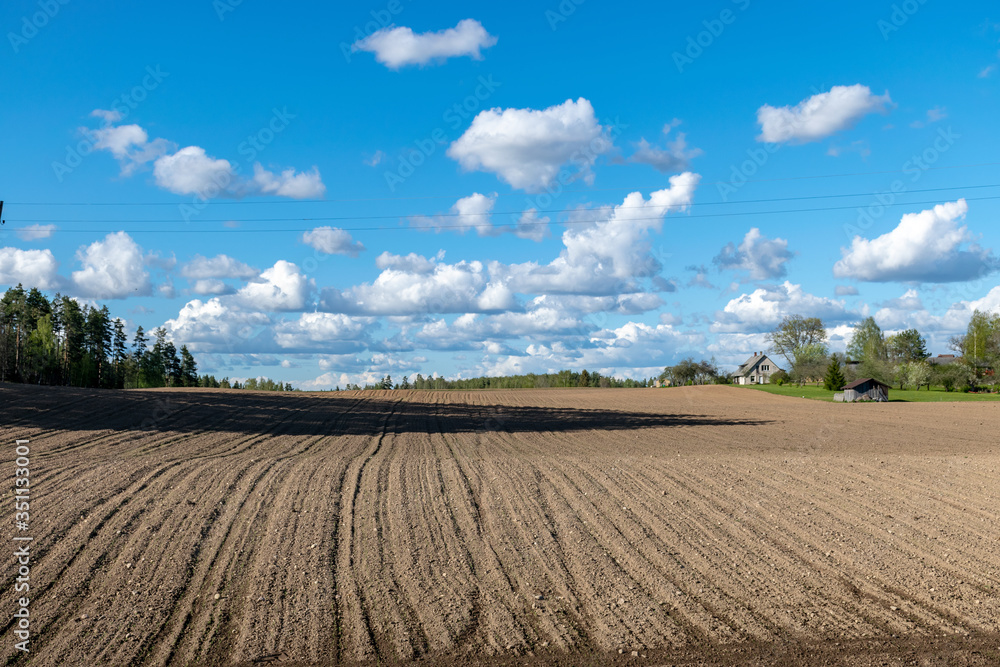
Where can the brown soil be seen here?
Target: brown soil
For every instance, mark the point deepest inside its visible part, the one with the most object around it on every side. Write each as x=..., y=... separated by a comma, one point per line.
x=702, y=525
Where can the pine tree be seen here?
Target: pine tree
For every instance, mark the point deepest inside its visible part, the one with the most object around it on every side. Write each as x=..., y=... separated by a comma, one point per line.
x=188, y=369
x=834, y=380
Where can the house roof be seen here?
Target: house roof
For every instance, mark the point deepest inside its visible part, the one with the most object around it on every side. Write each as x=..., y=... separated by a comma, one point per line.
x=943, y=359
x=861, y=381
x=751, y=362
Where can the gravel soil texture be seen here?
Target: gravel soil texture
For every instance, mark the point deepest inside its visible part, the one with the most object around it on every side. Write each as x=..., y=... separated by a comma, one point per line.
x=687, y=526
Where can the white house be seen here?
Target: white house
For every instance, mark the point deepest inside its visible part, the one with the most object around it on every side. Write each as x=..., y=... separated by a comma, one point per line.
x=755, y=370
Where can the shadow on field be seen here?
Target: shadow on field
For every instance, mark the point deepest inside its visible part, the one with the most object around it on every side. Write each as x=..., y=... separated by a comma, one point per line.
x=191, y=411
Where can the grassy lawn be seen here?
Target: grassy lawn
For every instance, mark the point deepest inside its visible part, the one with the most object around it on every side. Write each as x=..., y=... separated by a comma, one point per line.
x=817, y=392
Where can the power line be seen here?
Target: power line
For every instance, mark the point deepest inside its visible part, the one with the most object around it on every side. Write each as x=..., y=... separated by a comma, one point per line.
x=519, y=212
x=416, y=197
x=478, y=226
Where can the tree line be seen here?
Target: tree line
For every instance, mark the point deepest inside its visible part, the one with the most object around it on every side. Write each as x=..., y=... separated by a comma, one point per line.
x=564, y=378
x=61, y=342
x=900, y=359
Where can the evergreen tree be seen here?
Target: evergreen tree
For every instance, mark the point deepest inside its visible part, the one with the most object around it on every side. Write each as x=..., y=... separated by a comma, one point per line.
x=188, y=369
x=834, y=380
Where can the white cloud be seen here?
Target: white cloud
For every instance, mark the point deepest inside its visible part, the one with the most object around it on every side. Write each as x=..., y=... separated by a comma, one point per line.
x=985, y=72
x=35, y=232
x=675, y=157
x=333, y=241
x=634, y=349
x=411, y=263
x=331, y=333
x=765, y=307
x=447, y=288
x=128, y=143
x=31, y=268
x=282, y=287
x=212, y=326
x=397, y=47
x=819, y=116
x=191, y=171
x=211, y=287
x=897, y=314
x=301, y=185
x=845, y=290
x=759, y=257
x=112, y=269
x=472, y=212
x=527, y=147
x=530, y=226
x=220, y=266
x=924, y=247
x=610, y=256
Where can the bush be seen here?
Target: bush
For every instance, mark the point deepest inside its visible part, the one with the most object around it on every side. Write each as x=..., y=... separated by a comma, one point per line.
x=779, y=378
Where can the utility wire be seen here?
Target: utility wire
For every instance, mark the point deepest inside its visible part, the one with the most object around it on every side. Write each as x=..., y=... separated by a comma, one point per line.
x=519, y=212
x=414, y=197
x=478, y=226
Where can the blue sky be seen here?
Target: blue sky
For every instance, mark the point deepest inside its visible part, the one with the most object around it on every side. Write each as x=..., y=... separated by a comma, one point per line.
x=329, y=194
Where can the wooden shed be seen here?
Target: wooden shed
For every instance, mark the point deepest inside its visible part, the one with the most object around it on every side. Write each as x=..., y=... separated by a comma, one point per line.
x=866, y=389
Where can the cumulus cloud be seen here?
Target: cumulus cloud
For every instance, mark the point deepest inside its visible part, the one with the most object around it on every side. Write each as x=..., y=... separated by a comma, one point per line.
x=472, y=212
x=130, y=144
x=112, y=269
x=329, y=332
x=214, y=326
x=762, y=309
x=530, y=226
x=527, y=147
x=192, y=171
x=610, y=256
x=333, y=241
x=675, y=157
x=819, y=116
x=211, y=287
x=220, y=266
x=759, y=257
x=634, y=349
x=35, y=232
x=34, y=268
x=289, y=183
x=446, y=288
x=846, y=290
x=397, y=47
x=930, y=246
x=282, y=287
x=411, y=263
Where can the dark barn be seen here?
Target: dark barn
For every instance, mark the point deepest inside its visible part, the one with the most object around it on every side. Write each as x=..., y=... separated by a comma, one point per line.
x=866, y=389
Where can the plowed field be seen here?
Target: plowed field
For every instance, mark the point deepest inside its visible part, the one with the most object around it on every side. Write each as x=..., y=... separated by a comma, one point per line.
x=703, y=525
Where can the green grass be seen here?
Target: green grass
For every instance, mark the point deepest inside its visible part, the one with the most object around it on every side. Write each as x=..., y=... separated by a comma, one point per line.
x=817, y=392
